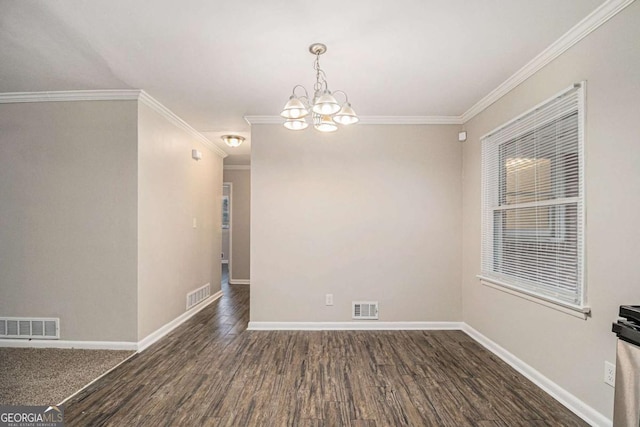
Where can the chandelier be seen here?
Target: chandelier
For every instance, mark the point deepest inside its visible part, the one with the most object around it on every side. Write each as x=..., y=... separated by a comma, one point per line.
x=326, y=112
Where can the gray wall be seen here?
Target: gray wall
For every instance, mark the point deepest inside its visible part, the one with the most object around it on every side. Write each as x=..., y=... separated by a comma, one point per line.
x=174, y=258
x=571, y=351
x=367, y=213
x=68, y=214
x=239, y=267
x=96, y=217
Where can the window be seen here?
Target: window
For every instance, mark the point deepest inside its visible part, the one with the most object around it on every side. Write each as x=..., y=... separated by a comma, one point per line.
x=532, y=207
x=225, y=212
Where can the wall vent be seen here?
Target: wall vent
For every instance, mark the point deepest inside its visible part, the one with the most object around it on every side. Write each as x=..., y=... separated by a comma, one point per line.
x=365, y=310
x=30, y=328
x=199, y=295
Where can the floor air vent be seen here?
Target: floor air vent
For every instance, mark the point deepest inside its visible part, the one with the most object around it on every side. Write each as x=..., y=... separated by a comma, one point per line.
x=199, y=295
x=365, y=310
x=30, y=328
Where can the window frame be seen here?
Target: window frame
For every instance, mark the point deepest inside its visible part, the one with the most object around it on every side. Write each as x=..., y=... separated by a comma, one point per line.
x=494, y=201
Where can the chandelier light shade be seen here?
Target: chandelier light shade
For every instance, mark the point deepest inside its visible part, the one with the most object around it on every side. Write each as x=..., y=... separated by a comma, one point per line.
x=326, y=112
x=324, y=123
x=325, y=104
x=346, y=115
x=294, y=109
x=233, y=140
x=296, y=124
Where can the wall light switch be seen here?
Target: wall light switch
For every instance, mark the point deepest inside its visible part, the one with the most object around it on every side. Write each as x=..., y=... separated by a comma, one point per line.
x=328, y=299
x=195, y=223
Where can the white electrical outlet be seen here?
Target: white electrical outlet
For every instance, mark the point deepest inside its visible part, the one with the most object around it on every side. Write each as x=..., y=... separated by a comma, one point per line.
x=328, y=299
x=610, y=373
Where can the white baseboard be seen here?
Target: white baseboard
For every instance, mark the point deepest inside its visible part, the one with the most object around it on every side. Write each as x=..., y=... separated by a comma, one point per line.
x=112, y=345
x=83, y=345
x=352, y=326
x=575, y=405
x=164, y=330
x=239, y=282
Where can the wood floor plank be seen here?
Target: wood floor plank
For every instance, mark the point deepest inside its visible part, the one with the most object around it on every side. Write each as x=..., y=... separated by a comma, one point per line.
x=336, y=414
x=424, y=407
x=212, y=371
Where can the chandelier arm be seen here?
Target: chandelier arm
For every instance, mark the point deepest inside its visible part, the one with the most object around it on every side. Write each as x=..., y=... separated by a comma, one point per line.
x=306, y=94
x=346, y=98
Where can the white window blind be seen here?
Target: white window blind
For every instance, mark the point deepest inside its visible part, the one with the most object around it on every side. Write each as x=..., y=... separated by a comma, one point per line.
x=532, y=201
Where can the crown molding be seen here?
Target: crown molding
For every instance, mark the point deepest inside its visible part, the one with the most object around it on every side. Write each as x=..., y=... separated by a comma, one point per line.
x=111, y=95
x=156, y=106
x=71, y=95
x=372, y=120
x=595, y=19
x=590, y=23
x=263, y=120
x=410, y=120
x=237, y=167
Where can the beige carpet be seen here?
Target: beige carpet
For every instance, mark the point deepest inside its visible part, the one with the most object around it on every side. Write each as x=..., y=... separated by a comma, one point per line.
x=47, y=376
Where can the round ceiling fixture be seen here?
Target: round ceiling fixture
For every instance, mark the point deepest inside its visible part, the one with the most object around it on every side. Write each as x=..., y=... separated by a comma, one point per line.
x=233, y=140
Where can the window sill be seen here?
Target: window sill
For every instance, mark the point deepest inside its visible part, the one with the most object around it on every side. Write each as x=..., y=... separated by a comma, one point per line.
x=581, y=312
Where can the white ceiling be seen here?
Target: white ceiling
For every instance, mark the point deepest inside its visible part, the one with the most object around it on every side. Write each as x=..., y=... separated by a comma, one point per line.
x=213, y=62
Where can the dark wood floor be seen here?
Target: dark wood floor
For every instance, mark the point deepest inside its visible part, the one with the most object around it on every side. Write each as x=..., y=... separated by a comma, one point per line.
x=212, y=371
